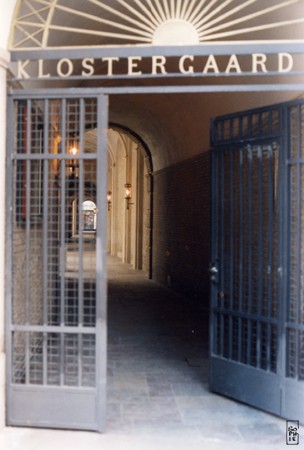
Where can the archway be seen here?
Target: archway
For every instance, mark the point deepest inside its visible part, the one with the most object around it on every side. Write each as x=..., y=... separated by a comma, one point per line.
x=129, y=199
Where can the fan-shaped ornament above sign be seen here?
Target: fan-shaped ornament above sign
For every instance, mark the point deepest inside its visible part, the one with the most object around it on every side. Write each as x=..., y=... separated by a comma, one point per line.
x=73, y=23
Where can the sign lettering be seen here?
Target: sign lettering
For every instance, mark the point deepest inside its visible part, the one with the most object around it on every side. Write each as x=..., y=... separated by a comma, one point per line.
x=136, y=66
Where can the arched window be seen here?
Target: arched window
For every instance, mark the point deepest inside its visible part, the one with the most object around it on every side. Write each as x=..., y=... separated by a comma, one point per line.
x=88, y=217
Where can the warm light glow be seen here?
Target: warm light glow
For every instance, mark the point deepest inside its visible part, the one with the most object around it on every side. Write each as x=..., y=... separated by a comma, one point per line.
x=73, y=151
x=128, y=190
x=109, y=199
x=128, y=195
x=72, y=165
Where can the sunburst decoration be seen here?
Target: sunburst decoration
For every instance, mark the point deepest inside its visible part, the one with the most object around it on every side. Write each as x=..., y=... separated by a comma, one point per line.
x=53, y=23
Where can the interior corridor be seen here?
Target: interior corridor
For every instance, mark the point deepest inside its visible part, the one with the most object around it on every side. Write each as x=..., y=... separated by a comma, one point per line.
x=158, y=369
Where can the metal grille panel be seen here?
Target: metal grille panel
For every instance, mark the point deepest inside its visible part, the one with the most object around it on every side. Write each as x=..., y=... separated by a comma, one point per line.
x=257, y=319
x=57, y=215
x=246, y=301
x=295, y=308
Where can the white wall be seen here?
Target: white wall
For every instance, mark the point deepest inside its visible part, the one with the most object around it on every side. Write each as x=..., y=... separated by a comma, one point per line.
x=2, y=228
x=7, y=10
x=5, y=24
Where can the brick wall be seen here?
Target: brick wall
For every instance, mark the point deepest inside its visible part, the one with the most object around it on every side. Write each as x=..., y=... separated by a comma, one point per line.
x=181, y=227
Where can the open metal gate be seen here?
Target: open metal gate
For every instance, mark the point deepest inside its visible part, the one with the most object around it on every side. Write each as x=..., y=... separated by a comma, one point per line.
x=56, y=230
x=257, y=310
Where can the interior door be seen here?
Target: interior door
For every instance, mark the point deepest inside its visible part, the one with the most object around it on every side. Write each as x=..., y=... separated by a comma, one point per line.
x=56, y=301
x=256, y=333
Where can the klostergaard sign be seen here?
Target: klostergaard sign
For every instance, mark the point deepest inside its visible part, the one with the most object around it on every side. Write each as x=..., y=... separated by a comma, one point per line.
x=136, y=66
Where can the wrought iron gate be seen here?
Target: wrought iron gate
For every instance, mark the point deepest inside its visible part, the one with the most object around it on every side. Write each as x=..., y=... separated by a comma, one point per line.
x=257, y=311
x=56, y=309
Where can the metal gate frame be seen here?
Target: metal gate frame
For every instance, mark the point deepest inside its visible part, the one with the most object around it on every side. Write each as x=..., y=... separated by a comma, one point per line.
x=293, y=260
x=101, y=326
x=50, y=406
x=274, y=385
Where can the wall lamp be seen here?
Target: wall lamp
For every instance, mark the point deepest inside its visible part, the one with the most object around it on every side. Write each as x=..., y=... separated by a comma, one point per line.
x=72, y=165
x=128, y=195
x=109, y=199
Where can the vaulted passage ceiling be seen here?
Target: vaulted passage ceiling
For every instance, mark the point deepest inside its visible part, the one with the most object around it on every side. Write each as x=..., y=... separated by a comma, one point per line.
x=59, y=23
x=174, y=127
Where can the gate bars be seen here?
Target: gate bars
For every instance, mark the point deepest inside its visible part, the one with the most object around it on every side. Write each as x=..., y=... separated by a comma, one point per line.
x=257, y=283
x=56, y=258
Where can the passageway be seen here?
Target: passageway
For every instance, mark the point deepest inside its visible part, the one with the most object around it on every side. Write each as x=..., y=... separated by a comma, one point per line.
x=158, y=368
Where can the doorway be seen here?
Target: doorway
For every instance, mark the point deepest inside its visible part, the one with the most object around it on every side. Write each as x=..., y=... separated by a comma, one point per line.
x=57, y=336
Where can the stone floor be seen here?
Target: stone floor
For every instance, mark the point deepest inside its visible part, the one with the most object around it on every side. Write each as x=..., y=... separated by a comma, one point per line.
x=158, y=396
x=158, y=370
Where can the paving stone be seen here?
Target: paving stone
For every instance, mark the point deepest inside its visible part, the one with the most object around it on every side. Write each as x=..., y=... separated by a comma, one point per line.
x=261, y=432
x=158, y=372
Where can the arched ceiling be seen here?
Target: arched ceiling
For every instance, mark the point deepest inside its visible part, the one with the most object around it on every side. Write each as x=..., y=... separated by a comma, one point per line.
x=60, y=23
x=177, y=126
x=174, y=127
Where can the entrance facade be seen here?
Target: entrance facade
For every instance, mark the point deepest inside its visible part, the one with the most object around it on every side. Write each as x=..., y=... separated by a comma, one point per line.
x=56, y=335
x=57, y=193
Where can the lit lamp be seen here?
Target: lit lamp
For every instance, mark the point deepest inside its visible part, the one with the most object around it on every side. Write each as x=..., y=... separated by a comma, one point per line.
x=109, y=198
x=128, y=195
x=72, y=165
x=73, y=151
